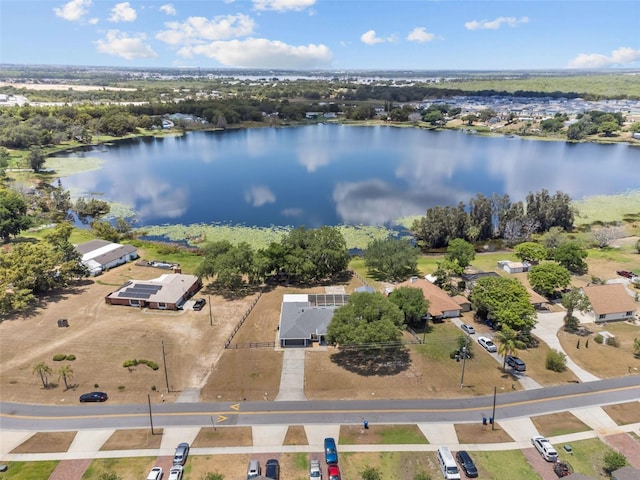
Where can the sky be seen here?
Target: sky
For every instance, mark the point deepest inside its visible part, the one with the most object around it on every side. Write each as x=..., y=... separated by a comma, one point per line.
x=324, y=34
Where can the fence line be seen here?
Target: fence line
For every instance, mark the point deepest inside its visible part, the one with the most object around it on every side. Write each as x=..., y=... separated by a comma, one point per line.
x=362, y=280
x=252, y=345
x=413, y=333
x=241, y=322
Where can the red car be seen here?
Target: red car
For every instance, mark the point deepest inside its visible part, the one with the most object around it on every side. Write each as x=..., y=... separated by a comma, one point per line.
x=626, y=273
x=334, y=472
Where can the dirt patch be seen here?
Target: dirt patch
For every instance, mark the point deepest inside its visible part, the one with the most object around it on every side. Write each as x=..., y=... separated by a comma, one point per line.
x=561, y=423
x=46, y=442
x=381, y=434
x=296, y=436
x=624, y=413
x=223, y=437
x=99, y=335
x=70, y=469
x=133, y=439
x=477, y=433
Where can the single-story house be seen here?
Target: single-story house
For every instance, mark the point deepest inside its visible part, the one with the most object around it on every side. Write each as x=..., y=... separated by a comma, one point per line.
x=610, y=302
x=626, y=473
x=514, y=267
x=167, y=292
x=304, y=318
x=101, y=255
x=465, y=304
x=441, y=305
x=537, y=300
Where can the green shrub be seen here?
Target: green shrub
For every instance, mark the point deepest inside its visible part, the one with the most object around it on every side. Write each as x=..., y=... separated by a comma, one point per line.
x=121, y=387
x=556, y=361
x=71, y=358
x=213, y=476
x=598, y=339
x=130, y=363
x=58, y=357
x=95, y=385
x=133, y=363
x=613, y=460
x=422, y=476
x=613, y=341
x=371, y=473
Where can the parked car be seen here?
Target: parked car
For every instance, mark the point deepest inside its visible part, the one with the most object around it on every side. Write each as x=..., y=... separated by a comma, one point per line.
x=487, y=344
x=155, y=474
x=562, y=469
x=272, y=469
x=333, y=472
x=314, y=470
x=175, y=473
x=626, y=273
x=94, y=397
x=200, y=302
x=253, y=470
x=464, y=459
x=182, y=452
x=515, y=363
x=545, y=448
x=468, y=328
x=330, y=451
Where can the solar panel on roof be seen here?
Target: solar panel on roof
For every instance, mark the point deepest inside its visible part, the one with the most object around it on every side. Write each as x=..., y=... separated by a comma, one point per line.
x=154, y=288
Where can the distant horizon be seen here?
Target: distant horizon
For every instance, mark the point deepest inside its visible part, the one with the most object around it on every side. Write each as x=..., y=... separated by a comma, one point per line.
x=360, y=35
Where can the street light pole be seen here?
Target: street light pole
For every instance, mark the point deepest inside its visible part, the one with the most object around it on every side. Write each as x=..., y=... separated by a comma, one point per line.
x=464, y=360
x=210, y=314
x=493, y=415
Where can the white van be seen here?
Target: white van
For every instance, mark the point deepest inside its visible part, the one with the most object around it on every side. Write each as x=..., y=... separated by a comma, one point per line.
x=447, y=464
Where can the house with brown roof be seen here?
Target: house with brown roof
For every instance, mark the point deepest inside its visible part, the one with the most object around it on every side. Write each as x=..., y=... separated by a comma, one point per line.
x=167, y=292
x=610, y=302
x=441, y=305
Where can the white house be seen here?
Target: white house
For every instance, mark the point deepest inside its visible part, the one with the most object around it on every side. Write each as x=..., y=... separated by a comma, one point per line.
x=514, y=267
x=610, y=302
x=100, y=255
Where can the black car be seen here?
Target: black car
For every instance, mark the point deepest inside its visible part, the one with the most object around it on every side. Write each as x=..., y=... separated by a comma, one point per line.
x=464, y=459
x=515, y=363
x=272, y=469
x=201, y=302
x=94, y=397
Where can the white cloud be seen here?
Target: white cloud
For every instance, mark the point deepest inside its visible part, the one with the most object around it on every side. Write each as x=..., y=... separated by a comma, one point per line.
x=262, y=53
x=169, y=9
x=258, y=196
x=201, y=29
x=94, y=20
x=73, y=10
x=495, y=24
x=420, y=35
x=371, y=38
x=125, y=46
x=122, y=12
x=282, y=5
x=621, y=56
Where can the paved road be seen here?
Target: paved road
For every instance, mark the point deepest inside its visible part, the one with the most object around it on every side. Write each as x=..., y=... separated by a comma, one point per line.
x=459, y=410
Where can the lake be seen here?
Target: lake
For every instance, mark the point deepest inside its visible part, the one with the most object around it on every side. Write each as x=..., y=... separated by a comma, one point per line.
x=331, y=174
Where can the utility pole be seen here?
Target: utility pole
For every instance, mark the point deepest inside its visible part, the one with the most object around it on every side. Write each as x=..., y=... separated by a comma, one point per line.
x=493, y=415
x=464, y=360
x=150, y=417
x=164, y=362
x=210, y=314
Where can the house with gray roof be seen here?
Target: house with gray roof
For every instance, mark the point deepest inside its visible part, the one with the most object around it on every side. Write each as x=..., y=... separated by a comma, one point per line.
x=167, y=292
x=100, y=255
x=304, y=318
x=626, y=473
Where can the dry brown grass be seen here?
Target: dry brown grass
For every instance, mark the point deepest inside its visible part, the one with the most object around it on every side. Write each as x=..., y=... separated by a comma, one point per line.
x=561, y=423
x=46, y=442
x=604, y=360
x=624, y=413
x=296, y=436
x=478, y=433
x=138, y=439
x=535, y=358
x=223, y=437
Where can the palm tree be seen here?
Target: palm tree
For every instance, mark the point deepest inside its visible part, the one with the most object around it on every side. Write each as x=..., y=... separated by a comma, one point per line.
x=43, y=370
x=508, y=344
x=66, y=373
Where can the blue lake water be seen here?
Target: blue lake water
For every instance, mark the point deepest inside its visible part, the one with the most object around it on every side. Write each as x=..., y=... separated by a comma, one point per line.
x=332, y=174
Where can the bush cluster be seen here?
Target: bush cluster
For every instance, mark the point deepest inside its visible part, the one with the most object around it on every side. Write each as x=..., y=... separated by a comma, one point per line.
x=149, y=363
x=556, y=361
x=58, y=357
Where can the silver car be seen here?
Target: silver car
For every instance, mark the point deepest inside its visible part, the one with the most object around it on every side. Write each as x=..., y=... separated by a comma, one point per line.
x=315, y=473
x=487, y=344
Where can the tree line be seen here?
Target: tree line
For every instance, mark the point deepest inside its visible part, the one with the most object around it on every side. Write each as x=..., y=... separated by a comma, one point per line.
x=485, y=218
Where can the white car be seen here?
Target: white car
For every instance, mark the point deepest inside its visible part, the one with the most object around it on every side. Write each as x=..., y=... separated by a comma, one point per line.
x=155, y=474
x=545, y=448
x=315, y=473
x=175, y=473
x=468, y=328
x=487, y=344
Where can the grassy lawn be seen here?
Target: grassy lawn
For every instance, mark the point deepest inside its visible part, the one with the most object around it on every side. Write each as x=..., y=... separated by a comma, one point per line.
x=381, y=434
x=126, y=468
x=469, y=433
x=29, y=470
x=561, y=423
x=296, y=435
x=607, y=208
x=535, y=359
x=503, y=464
x=586, y=457
x=604, y=360
x=391, y=465
x=223, y=437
